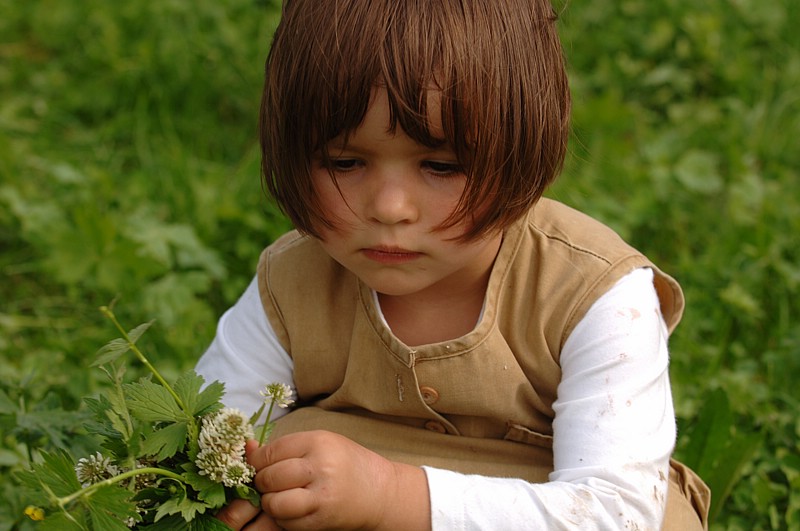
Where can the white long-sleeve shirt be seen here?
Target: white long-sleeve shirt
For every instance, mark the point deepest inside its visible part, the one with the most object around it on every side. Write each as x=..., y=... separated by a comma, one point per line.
x=613, y=432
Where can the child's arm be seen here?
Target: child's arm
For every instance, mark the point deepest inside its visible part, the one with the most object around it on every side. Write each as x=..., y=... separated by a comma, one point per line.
x=613, y=433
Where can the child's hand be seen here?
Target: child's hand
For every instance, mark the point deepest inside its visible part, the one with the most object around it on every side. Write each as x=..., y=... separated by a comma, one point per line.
x=321, y=480
x=240, y=515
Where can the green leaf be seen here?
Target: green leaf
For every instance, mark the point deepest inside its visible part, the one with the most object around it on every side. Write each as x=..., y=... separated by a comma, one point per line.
x=710, y=433
x=716, y=451
x=109, y=506
x=165, y=442
x=110, y=351
x=250, y=494
x=7, y=407
x=152, y=402
x=206, y=522
x=117, y=347
x=61, y=521
x=728, y=468
x=203, y=522
x=109, y=422
x=208, y=490
x=187, y=508
x=136, y=333
x=188, y=386
x=56, y=472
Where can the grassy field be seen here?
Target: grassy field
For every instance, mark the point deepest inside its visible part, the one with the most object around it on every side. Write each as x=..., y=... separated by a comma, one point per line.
x=129, y=169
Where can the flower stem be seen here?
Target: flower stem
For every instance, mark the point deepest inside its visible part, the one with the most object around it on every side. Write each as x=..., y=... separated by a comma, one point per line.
x=263, y=433
x=87, y=491
x=140, y=355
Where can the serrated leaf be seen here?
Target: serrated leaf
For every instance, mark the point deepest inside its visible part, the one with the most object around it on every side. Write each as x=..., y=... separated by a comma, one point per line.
x=111, y=351
x=187, y=508
x=208, y=490
x=109, y=506
x=106, y=522
x=203, y=522
x=152, y=402
x=206, y=522
x=56, y=472
x=137, y=332
x=117, y=347
x=109, y=422
x=188, y=388
x=165, y=442
x=62, y=522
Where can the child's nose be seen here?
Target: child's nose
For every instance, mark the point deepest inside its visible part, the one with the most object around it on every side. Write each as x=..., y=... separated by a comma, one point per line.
x=391, y=200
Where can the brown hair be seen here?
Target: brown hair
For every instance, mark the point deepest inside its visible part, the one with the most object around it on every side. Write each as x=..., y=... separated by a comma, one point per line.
x=499, y=68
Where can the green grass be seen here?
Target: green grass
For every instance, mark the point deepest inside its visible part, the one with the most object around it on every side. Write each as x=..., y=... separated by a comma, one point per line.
x=129, y=168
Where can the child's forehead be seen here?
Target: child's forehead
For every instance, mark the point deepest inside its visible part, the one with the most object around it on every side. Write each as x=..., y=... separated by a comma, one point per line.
x=381, y=116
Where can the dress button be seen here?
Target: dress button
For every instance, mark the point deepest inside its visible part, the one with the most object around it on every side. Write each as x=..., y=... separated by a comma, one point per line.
x=429, y=395
x=436, y=426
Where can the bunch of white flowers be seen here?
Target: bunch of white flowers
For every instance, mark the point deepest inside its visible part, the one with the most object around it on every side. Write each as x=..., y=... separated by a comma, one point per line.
x=222, y=439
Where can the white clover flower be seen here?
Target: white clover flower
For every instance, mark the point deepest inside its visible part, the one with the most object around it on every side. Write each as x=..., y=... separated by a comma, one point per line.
x=222, y=439
x=278, y=393
x=237, y=473
x=94, y=469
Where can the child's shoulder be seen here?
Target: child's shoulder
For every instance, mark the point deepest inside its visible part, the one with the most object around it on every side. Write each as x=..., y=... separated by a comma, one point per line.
x=293, y=247
x=559, y=223
x=296, y=256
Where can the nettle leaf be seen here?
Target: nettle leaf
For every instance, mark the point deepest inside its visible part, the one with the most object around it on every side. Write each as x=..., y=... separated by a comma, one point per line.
x=62, y=521
x=117, y=347
x=109, y=422
x=187, y=508
x=109, y=507
x=56, y=472
x=152, y=402
x=111, y=351
x=188, y=388
x=165, y=442
x=207, y=522
x=208, y=490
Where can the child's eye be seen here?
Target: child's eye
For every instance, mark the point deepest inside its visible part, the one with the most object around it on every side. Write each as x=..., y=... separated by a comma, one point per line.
x=344, y=164
x=443, y=169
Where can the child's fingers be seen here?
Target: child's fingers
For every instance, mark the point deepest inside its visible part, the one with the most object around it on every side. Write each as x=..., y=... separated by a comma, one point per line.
x=262, y=523
x=286, y=447
x=238, y=513
x=287, y=474
x=292, y=504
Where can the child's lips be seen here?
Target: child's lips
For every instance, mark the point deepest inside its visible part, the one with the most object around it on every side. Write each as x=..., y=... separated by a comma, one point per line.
x=390, y=255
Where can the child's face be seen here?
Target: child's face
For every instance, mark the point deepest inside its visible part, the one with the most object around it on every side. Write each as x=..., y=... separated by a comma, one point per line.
x=394, y=193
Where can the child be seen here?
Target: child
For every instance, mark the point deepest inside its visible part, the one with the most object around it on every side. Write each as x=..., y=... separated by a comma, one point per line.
x=465, y=353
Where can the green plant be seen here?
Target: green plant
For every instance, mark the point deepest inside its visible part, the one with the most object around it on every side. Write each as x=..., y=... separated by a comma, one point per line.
x=172, y=454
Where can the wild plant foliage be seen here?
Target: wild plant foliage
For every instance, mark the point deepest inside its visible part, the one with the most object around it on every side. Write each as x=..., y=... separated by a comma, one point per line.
x=129, y=166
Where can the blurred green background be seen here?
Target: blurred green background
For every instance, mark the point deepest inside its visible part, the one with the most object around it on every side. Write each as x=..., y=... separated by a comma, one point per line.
x=129, y=169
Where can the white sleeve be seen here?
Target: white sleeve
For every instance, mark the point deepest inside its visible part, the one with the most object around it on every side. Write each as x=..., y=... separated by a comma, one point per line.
x=245, y=355
x=613, y=432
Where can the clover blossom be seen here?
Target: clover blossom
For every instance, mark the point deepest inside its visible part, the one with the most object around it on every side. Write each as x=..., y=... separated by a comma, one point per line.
x=94, y=469
x=222, y=439
x=278, y=393
x=274, y=393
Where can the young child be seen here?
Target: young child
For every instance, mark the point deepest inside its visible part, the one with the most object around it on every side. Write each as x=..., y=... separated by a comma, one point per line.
x=466, y=354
